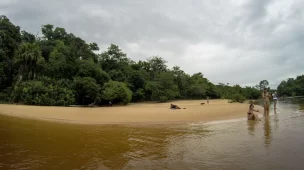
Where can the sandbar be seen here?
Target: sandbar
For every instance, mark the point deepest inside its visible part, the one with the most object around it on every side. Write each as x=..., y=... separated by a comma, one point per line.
x=154, y=113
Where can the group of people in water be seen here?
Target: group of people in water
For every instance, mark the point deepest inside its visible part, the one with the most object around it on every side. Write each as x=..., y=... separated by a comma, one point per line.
x=251, y=114
x=266, y=99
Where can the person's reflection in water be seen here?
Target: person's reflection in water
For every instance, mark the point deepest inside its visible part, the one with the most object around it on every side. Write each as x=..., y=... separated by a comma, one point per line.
x=276, y=119
x=251, y=126
x=267, y=132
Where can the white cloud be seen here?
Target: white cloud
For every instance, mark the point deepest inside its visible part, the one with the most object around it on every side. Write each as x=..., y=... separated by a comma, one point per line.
x=236, y=41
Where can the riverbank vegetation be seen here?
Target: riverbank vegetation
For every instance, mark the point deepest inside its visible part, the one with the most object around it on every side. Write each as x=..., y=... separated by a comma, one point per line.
x=60, y=69
x=292, y=87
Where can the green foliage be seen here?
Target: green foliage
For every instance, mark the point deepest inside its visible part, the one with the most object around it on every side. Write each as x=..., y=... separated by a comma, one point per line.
x=10, y=38
x=292, y=87
x=28, y=60
x=198, y=86
x=60, y=68
x=117, y=92
x=27, y=37
x=87, y=68
x=263, y=84
x=36, y=92
x=237, y=98
x=238, y=94
x=5, y=95
x=251, y=93
x=86, y=90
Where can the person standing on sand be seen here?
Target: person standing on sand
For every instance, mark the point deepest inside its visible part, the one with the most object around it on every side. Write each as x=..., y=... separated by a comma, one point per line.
x=275, y=99
x=266, y=96
x=207, y=99
x=251, y=115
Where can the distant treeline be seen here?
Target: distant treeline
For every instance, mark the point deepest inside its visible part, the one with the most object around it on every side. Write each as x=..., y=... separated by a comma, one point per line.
x=292, y=87
x=61, y=69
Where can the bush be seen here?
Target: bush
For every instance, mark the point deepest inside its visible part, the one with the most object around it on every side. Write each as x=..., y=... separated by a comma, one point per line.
x=237, y=98
x=86, y=90
x=117, y=92
x=88, y=68
x=5, y=95
x=139, y=95
x=39, y=93
x=163, y=98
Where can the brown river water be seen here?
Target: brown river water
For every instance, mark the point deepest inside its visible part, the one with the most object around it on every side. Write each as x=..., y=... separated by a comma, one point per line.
x=273, y=143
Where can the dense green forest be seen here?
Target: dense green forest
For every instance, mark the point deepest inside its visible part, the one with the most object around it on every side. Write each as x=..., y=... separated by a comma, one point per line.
x=292, y=87
x=61, y=69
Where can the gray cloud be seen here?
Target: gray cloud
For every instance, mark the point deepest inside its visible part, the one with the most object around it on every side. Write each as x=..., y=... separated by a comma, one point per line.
x=236, y=42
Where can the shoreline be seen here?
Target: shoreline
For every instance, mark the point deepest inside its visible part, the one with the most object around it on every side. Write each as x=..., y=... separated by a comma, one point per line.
x=133, y=114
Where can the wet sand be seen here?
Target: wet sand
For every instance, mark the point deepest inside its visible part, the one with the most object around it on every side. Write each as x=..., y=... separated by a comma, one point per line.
x=133, y=113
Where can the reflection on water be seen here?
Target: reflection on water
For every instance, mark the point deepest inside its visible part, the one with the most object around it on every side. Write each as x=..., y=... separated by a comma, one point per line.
x=276, y=120
x=29, y=144
x=267, y=132
x=252, y=126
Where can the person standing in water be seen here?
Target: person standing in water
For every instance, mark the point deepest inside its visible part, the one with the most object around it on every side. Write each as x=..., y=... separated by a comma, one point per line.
x=266, y=96
x=275, y=99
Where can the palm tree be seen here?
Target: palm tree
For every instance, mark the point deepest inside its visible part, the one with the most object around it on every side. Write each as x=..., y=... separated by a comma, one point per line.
x=29, y=56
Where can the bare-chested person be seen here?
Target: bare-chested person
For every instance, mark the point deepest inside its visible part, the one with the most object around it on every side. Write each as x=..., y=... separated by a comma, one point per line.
x=251, y=115
x=266, y=96
x=173, y=106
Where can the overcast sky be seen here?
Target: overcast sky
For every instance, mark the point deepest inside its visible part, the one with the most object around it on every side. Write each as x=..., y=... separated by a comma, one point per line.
x=229, y=41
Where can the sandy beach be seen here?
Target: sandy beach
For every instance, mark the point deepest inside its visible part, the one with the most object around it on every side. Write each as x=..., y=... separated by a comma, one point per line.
x=133, y=113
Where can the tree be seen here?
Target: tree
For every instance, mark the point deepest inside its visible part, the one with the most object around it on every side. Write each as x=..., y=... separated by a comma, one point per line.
x=87, y=68
x=137, y=82
x=60, y=68
x=86, y=90
x=163, y=88
x=47, y=31
x=198, y=86
x=94, y=47
x=251, y=93
x=111, y=58
x=10, y=38
x=62, y=63
x=46, y=48
x=117, y=92
x=292, y=87
x=212, y=91
x=28, y=59
x=181, y=79
x=45, y=92
x=27, y=37
x=263, y=84
x=59, y=34
x=156, y=66
x=116, y=63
